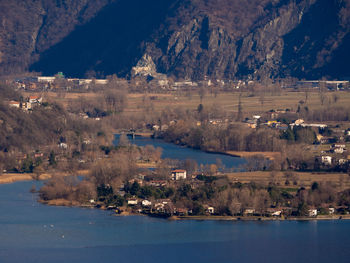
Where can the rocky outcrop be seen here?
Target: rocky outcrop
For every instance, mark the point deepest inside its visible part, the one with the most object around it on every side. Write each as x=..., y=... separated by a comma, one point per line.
x=145, y=67
x=278, y=44
x=189, y=39
x=202, y=48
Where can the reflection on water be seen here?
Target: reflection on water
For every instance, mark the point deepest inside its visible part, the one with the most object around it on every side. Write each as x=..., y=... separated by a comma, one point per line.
x=173, y=151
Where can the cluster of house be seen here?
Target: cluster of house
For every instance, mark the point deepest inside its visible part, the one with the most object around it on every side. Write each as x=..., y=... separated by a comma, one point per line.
x=27, y=104
x=288, y=211
x=331, y=85
x=337, y=149
x=273, y=123
x=167, y=207
x=47, y=82
x=163, y=207
x=144, y=69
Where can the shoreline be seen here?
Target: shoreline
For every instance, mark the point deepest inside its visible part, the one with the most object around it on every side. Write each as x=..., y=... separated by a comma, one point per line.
x=237, y=154
x=261, y=218
x=67, y=203
x=9, y=178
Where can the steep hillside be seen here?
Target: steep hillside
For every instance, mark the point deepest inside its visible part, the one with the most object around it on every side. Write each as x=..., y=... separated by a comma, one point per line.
x=112, y=42
x=29, y=27
x=266, y=38
x=187, y=38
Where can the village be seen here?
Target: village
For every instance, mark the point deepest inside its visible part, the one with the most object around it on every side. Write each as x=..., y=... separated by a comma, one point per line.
x=323, y=142
x=132, y=200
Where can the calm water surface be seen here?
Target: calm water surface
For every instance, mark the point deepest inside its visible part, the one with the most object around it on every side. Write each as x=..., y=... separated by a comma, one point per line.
x=31, y=232
x=173, y=151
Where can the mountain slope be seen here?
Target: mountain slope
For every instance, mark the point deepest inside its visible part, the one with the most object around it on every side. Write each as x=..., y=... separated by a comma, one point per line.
x=190, y=38
x=29, y=27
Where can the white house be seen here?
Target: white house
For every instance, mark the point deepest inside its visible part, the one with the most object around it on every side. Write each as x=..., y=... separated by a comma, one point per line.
x=46, y=79
x=132, y=201
x=63, y=145
x=326, y=160
x=338, y=150
x=342, y=161
x=14, y=104
x=210, y=210
x=339, y=145
x=249, y=211
x=35, y=99
x=299, y=121
x=101, y=81
x=178, y=175
x=312, y=212
x=274, y=211
x=146, y=203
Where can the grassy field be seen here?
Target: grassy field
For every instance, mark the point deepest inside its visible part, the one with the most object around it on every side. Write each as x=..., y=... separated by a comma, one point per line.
x=301, y=179
x=226, y=101
x=229, y=101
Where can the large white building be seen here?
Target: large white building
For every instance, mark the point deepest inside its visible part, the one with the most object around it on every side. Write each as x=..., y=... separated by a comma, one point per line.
x=178, y=175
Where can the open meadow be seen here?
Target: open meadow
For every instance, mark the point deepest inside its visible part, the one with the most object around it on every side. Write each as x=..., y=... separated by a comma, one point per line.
x=227, y=101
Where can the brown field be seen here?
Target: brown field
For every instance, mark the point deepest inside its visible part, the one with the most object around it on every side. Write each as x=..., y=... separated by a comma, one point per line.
x=228, y=101
x=302, y=179
x=11, y=178
x=269, y=155
x=8, y=178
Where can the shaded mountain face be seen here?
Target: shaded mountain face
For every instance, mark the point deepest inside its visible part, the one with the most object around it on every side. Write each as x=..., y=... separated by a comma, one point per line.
x=186, y=39
x=112, y=42
x=29, y=27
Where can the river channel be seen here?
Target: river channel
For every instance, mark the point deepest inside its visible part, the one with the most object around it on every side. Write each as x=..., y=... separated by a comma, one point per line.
x=172, y=151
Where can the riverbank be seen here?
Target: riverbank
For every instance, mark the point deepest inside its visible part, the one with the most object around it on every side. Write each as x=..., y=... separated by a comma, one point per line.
x=269, y=155
x=239, y=154
x=8, y=178
x=261, y=218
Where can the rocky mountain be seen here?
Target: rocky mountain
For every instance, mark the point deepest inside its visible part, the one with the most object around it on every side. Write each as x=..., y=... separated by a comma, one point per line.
x=183, y=38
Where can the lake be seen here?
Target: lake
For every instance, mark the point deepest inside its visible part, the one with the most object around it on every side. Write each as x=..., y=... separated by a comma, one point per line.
x=32, y=232
x=172, y=151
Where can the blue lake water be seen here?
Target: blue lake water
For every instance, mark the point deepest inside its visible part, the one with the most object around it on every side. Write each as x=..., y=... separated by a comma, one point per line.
x=32, y=232
x=173, y=151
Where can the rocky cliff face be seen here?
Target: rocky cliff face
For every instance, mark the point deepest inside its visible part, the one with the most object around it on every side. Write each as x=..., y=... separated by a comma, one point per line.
x=184, y=38
x=294, y=38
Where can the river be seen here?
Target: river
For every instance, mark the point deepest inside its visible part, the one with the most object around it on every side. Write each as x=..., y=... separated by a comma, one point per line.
x=172, y=151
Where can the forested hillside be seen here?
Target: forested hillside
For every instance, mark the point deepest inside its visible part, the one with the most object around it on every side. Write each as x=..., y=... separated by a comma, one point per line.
x=186, y=39
x=39, y=130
